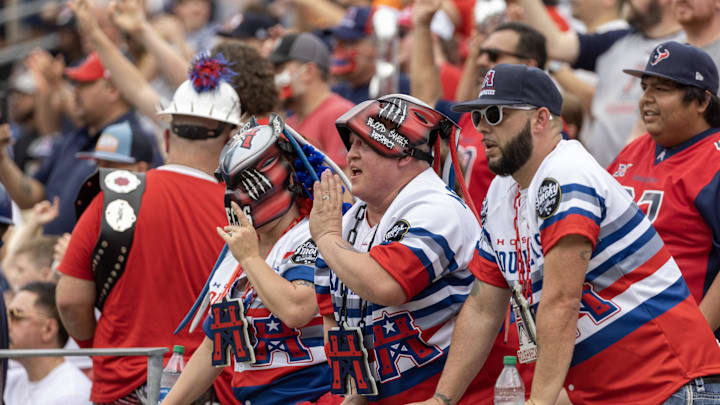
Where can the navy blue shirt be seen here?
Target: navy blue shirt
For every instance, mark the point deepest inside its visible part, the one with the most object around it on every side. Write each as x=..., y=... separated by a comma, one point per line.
x=362, y=93
x=63, y=174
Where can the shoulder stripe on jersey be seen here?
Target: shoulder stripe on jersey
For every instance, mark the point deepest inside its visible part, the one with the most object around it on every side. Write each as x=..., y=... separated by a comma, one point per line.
x=440, y=240
x=306, y=273
x=585, y=193
x=572, y=210
x=411, y=378
x=624, y=227
x=635, y=319
x=450, y=303
x=444, y=282
x=322, y=289
x=628, y=259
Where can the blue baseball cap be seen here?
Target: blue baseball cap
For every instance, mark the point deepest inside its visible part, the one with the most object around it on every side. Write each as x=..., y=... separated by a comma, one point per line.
x=507, y=84
x=355, y=25
x=681, y=63
x=119, y=143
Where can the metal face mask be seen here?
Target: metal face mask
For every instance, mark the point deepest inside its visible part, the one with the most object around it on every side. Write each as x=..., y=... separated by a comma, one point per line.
x=256, y=175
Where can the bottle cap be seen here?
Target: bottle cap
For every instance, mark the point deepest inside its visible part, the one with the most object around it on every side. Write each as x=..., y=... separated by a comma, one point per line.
x=509, y=360
x=179, y=349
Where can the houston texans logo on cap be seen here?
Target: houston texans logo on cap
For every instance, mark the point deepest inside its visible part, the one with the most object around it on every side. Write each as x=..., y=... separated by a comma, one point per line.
x=659, y=55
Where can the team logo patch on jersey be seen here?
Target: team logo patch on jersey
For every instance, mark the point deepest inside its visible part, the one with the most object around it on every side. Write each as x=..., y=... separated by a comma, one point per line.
x=398, y=231
x=622, y=169
x=548, y=198
x=305, y=253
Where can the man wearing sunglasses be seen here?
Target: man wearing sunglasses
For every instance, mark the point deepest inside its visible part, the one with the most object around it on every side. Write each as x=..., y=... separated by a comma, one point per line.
x=35, y=324
x=615, y=323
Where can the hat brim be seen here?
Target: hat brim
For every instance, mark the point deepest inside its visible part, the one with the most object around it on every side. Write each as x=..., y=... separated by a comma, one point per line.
x=483, y=102
x=109, y=156
x=641, y=73
x=80, y=75
x=347, y=34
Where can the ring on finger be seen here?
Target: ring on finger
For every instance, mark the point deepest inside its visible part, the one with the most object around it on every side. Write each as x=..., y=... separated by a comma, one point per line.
x=326, y=196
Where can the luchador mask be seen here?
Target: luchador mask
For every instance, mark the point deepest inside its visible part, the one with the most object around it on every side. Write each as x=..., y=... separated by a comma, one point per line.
x=256, y=174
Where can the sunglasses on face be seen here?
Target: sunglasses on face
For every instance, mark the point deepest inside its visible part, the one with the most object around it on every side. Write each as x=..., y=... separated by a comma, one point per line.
x=15, y=314
x=494, y=54
x=494, y=114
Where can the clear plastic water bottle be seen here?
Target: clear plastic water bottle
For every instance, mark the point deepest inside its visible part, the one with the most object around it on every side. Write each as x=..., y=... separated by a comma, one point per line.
x=172, y=371
x=509, y=388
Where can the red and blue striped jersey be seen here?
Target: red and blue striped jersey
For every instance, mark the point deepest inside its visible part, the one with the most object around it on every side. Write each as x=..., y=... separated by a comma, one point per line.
x=640, y=335
x=290, y=364
x=678, y=189
x=425, y=240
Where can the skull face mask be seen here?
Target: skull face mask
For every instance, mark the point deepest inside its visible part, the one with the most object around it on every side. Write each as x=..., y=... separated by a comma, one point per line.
x=256, y=175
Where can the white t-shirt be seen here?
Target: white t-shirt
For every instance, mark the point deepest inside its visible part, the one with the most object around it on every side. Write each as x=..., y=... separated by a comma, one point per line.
x=65, y=385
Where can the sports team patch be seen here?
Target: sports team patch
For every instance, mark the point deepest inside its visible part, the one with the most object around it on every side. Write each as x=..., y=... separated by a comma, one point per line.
x=548, y=198
x=229, y=332
x=349, y=360
x=305, y=253
x=398, y=231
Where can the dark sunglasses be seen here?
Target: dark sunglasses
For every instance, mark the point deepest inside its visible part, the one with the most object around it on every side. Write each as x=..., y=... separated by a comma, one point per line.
x=494, y=54
x=494, y=114
x=15, y=314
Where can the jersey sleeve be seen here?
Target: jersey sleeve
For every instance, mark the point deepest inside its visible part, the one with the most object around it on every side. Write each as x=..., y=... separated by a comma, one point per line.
x=78, y=257
x=707, y=203
x=421, y=247
x=593, y=46
x=484, y=266
x=298, y=263
x=572, y=205
x=322, y=287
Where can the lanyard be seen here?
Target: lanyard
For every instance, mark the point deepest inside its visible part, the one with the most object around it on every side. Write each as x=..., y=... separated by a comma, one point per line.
x=523, y=262
x=351, y=237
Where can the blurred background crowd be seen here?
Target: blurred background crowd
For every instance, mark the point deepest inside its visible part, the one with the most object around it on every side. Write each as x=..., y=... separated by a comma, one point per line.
x=81, y=80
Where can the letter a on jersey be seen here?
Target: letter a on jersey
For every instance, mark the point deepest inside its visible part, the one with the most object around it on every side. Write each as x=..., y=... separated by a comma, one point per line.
x=349, y=359
x=229, y=331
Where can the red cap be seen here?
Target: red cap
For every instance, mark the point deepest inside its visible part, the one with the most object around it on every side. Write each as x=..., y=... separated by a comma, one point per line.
x=89, y=70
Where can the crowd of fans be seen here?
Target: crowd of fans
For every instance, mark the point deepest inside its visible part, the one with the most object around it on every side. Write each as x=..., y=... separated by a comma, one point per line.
x=92, y=102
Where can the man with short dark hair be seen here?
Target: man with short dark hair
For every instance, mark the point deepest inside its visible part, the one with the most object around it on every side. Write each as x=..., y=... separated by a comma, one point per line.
x=601, y=306
x=673, y=171
x=35, y=324
x=302, y=64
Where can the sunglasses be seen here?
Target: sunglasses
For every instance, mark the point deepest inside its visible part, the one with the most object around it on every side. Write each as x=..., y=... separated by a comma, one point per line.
x=15, y=314
x=494, y=114
x=494, y=54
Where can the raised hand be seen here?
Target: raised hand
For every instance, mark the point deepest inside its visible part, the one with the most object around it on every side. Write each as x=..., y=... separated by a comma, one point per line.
x=326, y=214
x=129, y=15
x=242, y=240
x=424, y=10
x=44, y=211
x=86, y=21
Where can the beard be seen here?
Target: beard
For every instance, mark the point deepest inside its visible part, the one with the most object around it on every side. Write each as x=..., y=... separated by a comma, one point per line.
x=643, y=21
x=515, y=154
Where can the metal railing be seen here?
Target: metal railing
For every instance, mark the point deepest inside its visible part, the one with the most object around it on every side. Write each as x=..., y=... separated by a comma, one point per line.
x=154, y=355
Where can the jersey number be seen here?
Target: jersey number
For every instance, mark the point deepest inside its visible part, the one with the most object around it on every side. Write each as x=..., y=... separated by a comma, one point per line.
x=651, y=198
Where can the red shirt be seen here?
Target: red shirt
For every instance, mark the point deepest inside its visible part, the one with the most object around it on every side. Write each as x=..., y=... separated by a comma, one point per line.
x=474, y=161
x=174, y=249
x=319, y=127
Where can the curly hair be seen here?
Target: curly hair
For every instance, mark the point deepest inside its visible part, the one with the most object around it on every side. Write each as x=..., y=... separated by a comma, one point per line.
x=254, y=82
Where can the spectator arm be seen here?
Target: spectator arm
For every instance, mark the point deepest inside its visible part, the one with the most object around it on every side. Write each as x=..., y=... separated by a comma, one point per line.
x=563, y=46
x=424, y=75
x=75, y=299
